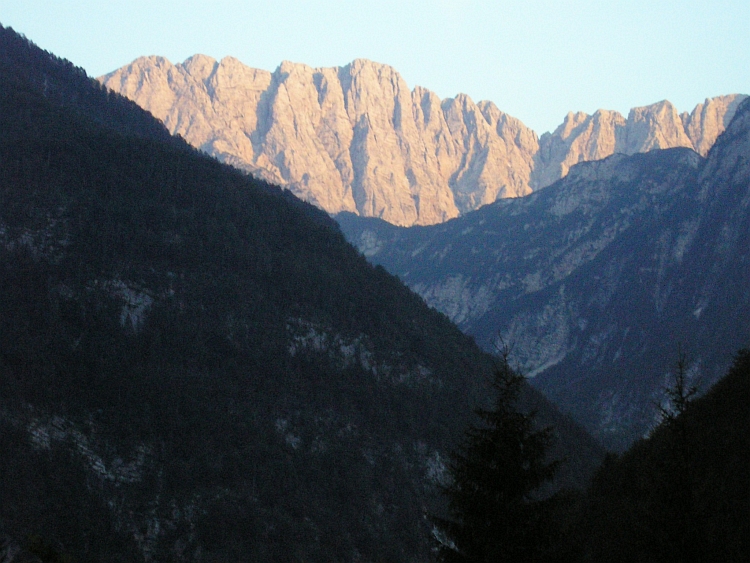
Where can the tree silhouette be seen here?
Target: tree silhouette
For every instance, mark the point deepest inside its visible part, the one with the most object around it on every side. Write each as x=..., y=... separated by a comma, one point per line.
x=679, y=394
x=497, y=511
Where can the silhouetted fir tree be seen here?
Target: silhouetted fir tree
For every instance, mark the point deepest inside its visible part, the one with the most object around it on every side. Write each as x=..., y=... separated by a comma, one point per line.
x=679, y=394
x=674, y=531
x=497, y=511
x=682, y=494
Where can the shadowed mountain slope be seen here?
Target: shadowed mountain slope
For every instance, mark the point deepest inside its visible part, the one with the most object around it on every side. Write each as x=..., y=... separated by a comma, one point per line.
x=684, y=493
x=598, y=279
x=195, y=365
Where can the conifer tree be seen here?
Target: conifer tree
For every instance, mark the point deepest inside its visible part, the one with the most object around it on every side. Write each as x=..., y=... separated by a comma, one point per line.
x=497, y=513
x=679, y=394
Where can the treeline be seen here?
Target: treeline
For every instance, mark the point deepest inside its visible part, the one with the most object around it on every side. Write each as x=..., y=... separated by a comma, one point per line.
x=27, y=68
x=682, y=494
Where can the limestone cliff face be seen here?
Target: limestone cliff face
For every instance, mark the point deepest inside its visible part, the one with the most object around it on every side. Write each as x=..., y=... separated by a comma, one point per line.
x=355, y=138
x=657, y=126
x=583, y=137
x=709, y=119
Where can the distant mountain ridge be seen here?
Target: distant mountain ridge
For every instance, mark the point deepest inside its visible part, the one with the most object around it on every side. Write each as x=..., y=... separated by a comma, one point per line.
x=582, y=137
x=356, y=139
x=599, y=279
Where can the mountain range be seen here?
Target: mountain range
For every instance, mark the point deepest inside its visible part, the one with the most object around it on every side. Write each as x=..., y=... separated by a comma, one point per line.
x=357, y=139
x=599, y=280
x=195, y=365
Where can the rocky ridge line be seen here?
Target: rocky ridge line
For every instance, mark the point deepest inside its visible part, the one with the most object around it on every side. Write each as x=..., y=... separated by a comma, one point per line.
x=355, y=138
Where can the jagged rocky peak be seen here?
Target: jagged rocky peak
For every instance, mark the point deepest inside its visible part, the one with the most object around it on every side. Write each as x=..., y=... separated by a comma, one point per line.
x=352, y=138
x=356, y=138
x=200, y=66
x=728, y=157
x=707, y=121
x=581, y=137
x=657, y=126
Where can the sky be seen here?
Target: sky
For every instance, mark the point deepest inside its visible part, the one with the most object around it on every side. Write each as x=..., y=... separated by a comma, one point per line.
x=535, y=59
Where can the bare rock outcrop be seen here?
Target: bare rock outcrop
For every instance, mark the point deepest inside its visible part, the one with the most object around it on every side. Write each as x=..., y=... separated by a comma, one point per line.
x=352, y=138
x=657, y=126
x=709, y=119
x=583, y=137
x=356, y=138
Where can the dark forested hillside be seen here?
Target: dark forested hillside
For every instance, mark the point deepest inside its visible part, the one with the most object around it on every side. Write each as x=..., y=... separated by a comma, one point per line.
x=194, y=365
x=684, y=493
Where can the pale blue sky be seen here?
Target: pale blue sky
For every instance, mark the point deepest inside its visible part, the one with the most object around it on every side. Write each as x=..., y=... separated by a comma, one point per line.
x=536, y=59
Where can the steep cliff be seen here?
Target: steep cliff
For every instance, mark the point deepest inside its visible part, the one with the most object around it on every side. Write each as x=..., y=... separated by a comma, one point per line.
x=356, y=139
x=583, y=137
x=353, y=138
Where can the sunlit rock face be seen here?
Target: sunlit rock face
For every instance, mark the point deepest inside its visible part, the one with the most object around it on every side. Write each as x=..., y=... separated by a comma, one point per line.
x=582, y=137
x=357, y=139
x=709, y=119
x=353, y=138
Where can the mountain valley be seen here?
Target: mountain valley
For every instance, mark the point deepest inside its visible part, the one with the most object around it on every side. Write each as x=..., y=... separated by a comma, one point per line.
x=598, y=280
x=201, y=364
x=195, y=365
